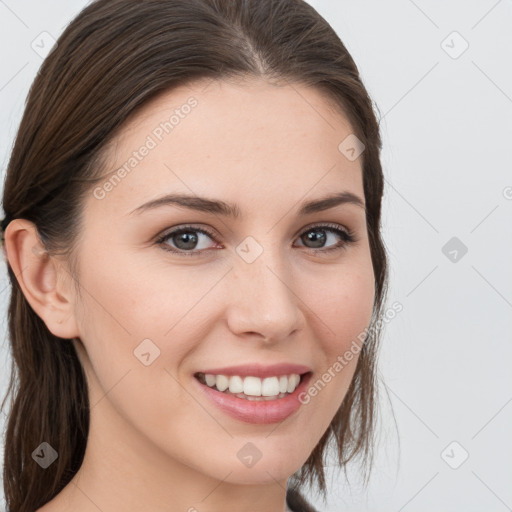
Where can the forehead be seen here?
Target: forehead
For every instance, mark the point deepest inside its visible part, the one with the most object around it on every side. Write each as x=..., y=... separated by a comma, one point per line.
x=241, y=141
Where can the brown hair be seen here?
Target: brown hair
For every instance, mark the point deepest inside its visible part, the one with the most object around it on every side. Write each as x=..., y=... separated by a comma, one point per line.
x=112, y=58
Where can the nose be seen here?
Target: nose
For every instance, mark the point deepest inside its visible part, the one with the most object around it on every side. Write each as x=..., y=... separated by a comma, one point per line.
x=261, y=299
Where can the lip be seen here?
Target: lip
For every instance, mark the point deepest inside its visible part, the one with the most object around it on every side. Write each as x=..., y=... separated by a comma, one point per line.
x=259, y=412
x=259, y=370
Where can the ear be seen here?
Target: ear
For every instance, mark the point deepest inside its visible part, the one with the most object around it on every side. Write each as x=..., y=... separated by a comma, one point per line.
x=44, y=281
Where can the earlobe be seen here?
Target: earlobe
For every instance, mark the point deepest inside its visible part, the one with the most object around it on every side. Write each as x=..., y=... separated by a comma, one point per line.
x=41, y=278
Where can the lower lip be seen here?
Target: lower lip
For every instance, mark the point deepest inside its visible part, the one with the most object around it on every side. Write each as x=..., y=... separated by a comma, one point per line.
x=252, y=411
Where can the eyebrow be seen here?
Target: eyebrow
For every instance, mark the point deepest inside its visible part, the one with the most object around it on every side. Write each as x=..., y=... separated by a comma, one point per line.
x=223, y=208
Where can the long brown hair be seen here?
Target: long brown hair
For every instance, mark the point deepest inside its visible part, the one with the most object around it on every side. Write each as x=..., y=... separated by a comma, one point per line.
x=112, y=58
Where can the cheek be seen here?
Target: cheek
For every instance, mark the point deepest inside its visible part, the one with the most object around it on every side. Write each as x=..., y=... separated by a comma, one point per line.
x=133, y=327
x=135, y=305
x=133, y=314
x=342, y=300
x=341, y=309
x=139, y=300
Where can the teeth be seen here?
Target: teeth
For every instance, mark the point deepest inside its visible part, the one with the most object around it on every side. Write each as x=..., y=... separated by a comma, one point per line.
x=293, y=382
x=236, y=385
x=210, y=380
x=270, y=386
x=222, y=382
x=283, y=383
x=253, y=388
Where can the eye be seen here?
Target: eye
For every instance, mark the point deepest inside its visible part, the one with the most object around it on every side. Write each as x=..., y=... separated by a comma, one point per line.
x=186, y=238
x=311, y=236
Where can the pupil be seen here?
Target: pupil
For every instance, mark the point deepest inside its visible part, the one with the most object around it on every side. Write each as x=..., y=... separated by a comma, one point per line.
x=318, y=240
x=189, y=240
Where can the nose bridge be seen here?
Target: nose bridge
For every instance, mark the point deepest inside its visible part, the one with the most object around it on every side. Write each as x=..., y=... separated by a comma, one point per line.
x=262, y=295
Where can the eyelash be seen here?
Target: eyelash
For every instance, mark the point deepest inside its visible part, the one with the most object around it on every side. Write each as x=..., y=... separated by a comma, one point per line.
x=347, y=236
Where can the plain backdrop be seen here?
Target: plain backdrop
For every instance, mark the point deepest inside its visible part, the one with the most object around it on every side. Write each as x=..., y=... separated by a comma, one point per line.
x=440, y=74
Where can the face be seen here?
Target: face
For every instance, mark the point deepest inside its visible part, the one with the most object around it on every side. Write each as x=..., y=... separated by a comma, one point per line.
x=270, y=285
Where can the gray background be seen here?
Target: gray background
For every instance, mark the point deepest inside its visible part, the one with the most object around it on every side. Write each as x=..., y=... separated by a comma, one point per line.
x=446, y=118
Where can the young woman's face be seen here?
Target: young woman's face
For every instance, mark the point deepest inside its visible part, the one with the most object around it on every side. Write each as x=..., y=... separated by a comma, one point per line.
x=266, y=287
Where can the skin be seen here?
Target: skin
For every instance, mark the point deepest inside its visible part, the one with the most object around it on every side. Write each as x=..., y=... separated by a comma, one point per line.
x=155, y=442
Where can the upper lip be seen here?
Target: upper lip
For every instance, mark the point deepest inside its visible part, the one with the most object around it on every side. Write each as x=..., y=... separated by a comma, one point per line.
x=259, y=370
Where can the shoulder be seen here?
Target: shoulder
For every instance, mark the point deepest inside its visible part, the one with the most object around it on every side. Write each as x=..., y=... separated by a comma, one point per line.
x=297, y=502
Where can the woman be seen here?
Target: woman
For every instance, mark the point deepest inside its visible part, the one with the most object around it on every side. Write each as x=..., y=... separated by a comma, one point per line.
x=193, y=236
